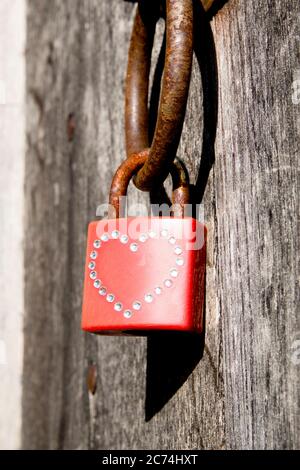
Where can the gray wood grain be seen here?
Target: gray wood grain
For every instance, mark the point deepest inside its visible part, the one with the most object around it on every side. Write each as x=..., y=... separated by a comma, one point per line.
x=239, y=389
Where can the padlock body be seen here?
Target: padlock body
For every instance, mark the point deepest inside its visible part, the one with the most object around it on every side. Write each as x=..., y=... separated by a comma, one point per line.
x=144, y=274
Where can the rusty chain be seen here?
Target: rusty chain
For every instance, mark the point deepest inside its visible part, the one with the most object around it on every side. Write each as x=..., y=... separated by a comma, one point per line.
x=174, y=90
x=122, y=177
x=151, y=164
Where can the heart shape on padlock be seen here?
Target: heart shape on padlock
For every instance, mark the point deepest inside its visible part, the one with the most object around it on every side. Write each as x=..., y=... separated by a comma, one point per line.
x=120, y=268
x=151, y=279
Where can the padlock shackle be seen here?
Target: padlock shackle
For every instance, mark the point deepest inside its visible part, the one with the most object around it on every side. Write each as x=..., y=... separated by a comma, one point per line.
x=125, y=172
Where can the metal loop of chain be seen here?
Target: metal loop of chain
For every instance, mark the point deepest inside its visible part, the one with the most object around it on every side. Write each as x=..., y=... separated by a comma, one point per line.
x=180, y=193
x=174, y=90
x=151, y=166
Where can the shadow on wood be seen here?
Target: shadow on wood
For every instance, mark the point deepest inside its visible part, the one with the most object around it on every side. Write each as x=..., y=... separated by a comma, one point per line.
x=171, y=357
x=204, y=48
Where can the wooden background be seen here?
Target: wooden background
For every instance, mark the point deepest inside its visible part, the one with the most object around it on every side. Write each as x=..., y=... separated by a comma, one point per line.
x=240, y=387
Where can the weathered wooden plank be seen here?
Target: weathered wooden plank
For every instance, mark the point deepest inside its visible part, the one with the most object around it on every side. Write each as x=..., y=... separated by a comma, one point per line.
x=241, y=154
x=257, y=184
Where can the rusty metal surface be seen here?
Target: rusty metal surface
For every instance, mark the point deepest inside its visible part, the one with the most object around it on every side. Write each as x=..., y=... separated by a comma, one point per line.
x=127, y=169
x=122, y=179
x=205, y=3
x=181, y=188
x=137, y=79
x=175, y=86
x=92, y=379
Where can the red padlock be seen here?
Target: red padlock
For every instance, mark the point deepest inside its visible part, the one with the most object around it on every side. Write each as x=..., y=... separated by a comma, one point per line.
x=144, y=273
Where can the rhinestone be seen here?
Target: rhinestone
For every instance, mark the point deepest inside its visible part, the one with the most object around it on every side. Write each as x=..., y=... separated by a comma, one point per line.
x=172, y=240
x=152, y=234
x=180, y=262
x=174, y=272
x=134, y=247
x=168, y=283
x=178, y=250
x=143, y=238
x=128, y=314
x=97, y=243
x=105, y=237
x=97, y=283
x=115, y=234
x=164, y=233
x=102, y=291
x=93, y=255
x=137, y=305
x=149, y=298
x=110, y=298
x=158, y=290
x=92, y=265
x=93, y=275
x=118, y=307
x=124, y=239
